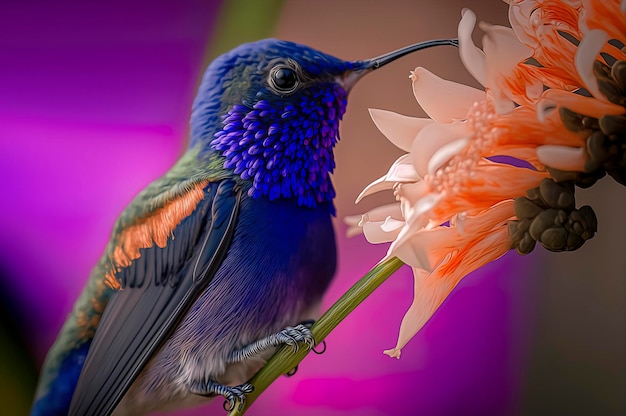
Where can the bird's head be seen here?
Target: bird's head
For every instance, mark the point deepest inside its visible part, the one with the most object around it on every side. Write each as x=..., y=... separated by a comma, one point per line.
x=270, y=111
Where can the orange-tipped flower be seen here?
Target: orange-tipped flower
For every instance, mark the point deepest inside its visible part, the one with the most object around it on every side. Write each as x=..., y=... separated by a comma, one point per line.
x=460, y=204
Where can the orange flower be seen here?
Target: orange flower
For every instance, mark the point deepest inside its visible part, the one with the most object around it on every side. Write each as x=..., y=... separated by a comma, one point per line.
x=568, y=38
x=455, y=196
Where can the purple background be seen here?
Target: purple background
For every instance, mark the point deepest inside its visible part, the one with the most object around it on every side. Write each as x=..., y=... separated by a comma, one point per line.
x=94, y=104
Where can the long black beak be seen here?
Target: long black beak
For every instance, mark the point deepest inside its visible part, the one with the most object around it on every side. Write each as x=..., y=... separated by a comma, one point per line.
x=364, y=67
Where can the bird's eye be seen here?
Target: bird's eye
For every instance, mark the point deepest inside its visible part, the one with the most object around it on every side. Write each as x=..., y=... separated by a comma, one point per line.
x=283, y=79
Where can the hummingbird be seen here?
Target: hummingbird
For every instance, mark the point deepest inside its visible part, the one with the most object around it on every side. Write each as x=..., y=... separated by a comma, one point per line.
x=224, y=258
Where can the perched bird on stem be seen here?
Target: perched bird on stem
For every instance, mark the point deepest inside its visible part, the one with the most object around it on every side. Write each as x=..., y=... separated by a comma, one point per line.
x=221, y=260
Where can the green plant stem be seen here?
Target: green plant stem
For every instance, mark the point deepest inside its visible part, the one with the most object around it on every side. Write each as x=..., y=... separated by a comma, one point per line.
x=284, y=359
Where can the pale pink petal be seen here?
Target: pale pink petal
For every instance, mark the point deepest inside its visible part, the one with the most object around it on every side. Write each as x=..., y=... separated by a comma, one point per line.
x=393, y=353
x=519, y=16
x=415, y=212
x=425, y=249
x=562, y=157
x=589, y=47
x=382, y=231
x=502, y=104
x=471, y=56
x=414, y=245
x=383, y=216
x=429, y=293
x=445, y=153
x=414, y=207
x=402, y=170
x=354, y=228
x=503, y=52
x=431, y=289
x=382, y=212
x=444, y=101
x=409, y=194
x=391, y=224
x=380, y=184
x=411, y=318
x=431, y=139
x=399, y=129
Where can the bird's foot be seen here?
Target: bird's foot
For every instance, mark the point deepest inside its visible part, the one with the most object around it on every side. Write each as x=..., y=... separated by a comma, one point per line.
x=309, y=323
x=232, y=394
x=291, y=336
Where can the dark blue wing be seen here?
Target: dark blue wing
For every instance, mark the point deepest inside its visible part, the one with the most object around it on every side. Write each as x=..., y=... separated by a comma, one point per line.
x=158, y=288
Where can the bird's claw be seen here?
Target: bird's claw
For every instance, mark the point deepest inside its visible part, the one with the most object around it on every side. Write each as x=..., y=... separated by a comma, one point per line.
x=236, y=395
x=232, y=394
x=293, y=335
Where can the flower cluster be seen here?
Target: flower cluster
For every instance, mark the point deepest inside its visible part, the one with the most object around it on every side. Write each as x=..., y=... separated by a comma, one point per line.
x=495, y=169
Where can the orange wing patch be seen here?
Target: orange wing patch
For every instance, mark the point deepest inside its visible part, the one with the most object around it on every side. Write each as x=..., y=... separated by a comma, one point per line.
x=155, y=228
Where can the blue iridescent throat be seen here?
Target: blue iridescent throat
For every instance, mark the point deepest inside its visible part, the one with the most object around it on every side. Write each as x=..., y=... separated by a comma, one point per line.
x=286, y=149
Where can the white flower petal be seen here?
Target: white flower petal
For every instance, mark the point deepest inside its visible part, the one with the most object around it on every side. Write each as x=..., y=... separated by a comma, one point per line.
x=404, y=245
x=445, y=153
x=391, y=224
x=380, y=225
x=383, y=212
x=445, y=101
x=399, y=129
x=353, y=223
x=401, y=171
x=409, y=194
x=377, y=232
x=413, y=319
x=380, y=184
x=562, y=157
x=421, y=246
x=406, y=253
x=431, y=139
x=471, y=56
x=423, y=205
x=589, y=47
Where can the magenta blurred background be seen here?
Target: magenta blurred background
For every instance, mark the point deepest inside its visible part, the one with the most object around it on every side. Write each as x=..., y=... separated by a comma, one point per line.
x=94, y=104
